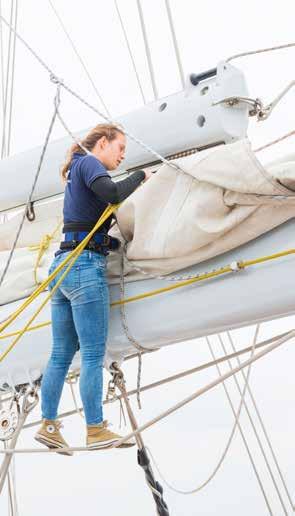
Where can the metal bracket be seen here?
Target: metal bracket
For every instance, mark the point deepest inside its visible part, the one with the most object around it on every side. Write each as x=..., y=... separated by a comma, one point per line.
x=30, y=400
x=255, y=104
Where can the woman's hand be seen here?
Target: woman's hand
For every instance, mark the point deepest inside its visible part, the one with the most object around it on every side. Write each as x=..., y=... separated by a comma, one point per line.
x=148, y=174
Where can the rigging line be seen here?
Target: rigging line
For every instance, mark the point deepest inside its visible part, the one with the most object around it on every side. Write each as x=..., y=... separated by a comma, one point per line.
x=196, y=394
x=78, y=56
x=12, y=81
x=55, y=79
x=33, y=186
x=268, y=466
x=130, y=52
x=78, y=411
x=230, y=439
x=207, y=387
x=260, y=51
x=234, y=267
x=13, y=511
x=169, y=379
x=264, y=429
x=9, y=488
x=241, y=431
x=2, y=60
x=3, y=148
x=274, y=142
x=126, y=329
x=175, y=43
x=131, y=136
x=72, y=257
x=69, y=261
x=147, y=50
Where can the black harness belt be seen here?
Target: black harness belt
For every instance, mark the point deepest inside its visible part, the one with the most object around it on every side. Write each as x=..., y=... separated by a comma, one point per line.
x=99, y=242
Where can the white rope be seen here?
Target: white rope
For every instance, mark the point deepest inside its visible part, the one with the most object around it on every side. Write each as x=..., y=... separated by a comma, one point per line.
x=126, y=329
x=11, y=481
x=209, y=386
x=175, y=43
x=56, y=80
x=12, y=82
x=174, y=408
x=130, y=52
x=65, y=126
x=78, y=410
x=265, y=433
x=254, y=429
x=2, y=63
x=174, y=377
x=78, y=55
x=274, y=142
x=260, y=51
x=3, y=148
x=230, y=439
x=242, y=433
x=147, y=50
x=33, y=186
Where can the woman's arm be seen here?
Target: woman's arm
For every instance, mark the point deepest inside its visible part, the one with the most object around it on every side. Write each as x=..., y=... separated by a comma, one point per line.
x=115, y=192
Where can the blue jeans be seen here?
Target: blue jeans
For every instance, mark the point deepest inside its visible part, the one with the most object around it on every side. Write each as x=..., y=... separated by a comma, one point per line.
x=80, y=314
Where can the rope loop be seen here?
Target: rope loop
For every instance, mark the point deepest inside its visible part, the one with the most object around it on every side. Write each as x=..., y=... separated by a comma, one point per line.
x=55, y=79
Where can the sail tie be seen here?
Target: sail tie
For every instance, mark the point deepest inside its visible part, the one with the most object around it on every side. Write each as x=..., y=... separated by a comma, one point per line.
x=42, y=248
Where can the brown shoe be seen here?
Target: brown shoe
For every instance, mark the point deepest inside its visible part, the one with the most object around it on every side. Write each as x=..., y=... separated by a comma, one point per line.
x=99, y=437
x=50, y=435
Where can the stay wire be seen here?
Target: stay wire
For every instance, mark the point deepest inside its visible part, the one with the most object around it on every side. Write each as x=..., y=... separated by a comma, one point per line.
x=175, y=43
x=55, y=79
x=78, y=55
x=260, y=51
x=57, y=101
x=265, y=433
x=12, y=82
x=3, y=147
x=172, y=378
x=126, y=329
x=254, y=429
x=130, y=52
x=196, y=394
x=260, y=444
x=2, y=63
x=147, y=50
x=230, y=439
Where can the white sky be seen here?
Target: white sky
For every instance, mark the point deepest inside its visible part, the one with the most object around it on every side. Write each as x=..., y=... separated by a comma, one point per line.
x=189, y=443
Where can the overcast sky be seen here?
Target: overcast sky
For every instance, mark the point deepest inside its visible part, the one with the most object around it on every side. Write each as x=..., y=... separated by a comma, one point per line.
x=189, y=443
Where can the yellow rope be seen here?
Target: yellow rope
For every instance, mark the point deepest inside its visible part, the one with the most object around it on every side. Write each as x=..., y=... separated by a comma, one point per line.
x=42, y=247
x=73, y=257
x=201, y=277
x=205, y=275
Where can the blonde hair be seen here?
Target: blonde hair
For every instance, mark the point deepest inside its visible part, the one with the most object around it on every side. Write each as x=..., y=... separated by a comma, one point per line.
x=108, y=130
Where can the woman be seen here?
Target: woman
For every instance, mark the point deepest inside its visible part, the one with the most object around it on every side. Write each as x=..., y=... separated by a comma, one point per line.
x=80, y=305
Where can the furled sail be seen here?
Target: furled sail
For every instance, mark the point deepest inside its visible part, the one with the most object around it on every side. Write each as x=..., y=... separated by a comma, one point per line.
x=223, y=198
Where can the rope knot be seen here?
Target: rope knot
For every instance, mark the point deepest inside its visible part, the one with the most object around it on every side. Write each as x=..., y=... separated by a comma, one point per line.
x=55, y=79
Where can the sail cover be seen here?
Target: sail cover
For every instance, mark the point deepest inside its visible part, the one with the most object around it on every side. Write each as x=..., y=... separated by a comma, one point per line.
x=224, y=198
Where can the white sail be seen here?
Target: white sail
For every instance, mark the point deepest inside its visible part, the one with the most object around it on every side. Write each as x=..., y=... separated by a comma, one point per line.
x=224, y=198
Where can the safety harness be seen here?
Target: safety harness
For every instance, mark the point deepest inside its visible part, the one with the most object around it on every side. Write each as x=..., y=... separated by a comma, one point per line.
x=100, y=242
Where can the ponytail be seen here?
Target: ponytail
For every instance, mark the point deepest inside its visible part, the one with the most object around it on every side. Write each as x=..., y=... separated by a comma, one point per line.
x=108, y=130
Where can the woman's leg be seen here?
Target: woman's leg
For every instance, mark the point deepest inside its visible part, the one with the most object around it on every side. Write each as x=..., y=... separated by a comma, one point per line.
x=90, y=307
x=65, y=345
